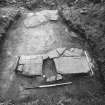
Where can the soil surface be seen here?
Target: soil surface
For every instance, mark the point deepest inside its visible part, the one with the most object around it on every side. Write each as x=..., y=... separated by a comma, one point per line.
x=86, y=21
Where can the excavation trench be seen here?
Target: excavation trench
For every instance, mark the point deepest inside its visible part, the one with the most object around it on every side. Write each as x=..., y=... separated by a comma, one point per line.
x=21, y=40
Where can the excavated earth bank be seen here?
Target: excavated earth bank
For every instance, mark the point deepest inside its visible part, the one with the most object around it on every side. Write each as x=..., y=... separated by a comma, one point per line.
x=84, y=18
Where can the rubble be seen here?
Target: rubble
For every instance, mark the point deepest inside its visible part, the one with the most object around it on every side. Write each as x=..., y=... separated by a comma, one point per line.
x=41, y=17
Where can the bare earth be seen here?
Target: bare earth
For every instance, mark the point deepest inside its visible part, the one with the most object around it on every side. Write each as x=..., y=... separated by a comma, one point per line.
x=84, y=90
